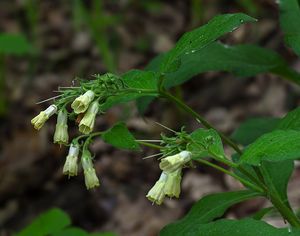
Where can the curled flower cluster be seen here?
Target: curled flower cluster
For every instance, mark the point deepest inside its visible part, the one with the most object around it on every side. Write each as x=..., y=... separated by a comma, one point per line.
x=170, y=179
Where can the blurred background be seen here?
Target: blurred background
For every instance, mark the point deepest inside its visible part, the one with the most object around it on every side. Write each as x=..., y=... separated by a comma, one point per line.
x=46, y=44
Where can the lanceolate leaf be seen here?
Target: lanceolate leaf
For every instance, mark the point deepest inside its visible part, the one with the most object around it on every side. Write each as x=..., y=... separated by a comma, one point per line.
x=206, y=210
x=289, y=21
x=276, y=146
x=291, y=120
x=245, y=227
x=201, y=37
x=120, y=137
x=241, y=60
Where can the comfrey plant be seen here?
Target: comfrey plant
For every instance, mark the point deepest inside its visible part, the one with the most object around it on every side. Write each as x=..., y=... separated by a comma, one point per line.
x=263, y=161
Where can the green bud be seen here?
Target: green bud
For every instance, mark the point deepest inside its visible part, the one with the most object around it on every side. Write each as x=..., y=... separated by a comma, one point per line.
x=71, y=166
x=41, y=118
x=172, y=187
x=61, y=135
x=82, y=103
x=87, y=123
x=157, y=193
x=172, y=163
x=90, y=177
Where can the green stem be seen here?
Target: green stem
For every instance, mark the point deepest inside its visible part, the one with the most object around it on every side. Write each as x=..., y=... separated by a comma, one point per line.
x=149, y=144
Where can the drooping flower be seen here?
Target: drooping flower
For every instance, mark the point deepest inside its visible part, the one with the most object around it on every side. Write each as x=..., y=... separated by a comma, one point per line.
x=87, y=123
x=82, y=103
x=41, y=118
x=61, y=135
x=90, y=177
x=172, y=163
x=71, y=166
x=172, y=187
x=157, y=192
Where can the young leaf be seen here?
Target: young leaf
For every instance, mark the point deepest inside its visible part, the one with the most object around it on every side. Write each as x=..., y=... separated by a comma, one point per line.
x=120, y=137
x=206, y=210
x=276, y=146
x=206, y=143
x=71, y=232
x=201, y=37
x=49, y=222
x=290, y=121
x=244, y=227
x=253, y=128
x=241, y=60
x=14, y=44
x=289, y=22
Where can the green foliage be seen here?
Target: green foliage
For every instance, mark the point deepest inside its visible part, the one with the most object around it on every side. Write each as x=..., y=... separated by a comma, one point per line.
x=206, y=210
x=201, y=37
x=120, y=137
x=14, y=44
x=289, y=21
x=290, y=121
x=55, y=222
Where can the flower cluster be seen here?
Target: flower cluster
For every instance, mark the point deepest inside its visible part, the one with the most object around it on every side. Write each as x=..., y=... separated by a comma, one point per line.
x=170, y=179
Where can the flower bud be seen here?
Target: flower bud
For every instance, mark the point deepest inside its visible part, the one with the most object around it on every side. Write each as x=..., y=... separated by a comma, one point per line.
x=172, y=163
x=90, y=177
x=71, y=166
x=41, y=118
x=82, y=103
x=61, y=135
x=157, y=193
x=172, y=187
x=87, y=123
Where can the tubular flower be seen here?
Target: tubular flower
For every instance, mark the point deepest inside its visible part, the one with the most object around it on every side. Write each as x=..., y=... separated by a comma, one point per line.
x=41, y=118
x=157, y=193
x=61, y=135
x=82, y=103
x=87, y=123
x=172, y=187
x=172, y=163
x=90, y=177
x=71, y=166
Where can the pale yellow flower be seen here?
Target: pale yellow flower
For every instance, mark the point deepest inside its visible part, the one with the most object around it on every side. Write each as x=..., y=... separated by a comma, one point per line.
x=157, y=193
x=87, y=123
x=41, y=118
x=172, y=163
x=82, y=103
x=71, y=166
x=61, y=135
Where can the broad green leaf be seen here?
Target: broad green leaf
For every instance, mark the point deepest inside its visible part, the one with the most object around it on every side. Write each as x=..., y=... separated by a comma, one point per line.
x=241, y=60
x=289, y=22
x=71, y=232
x=206, y=143
x=144, y=83
x=47, y=223
x=103, y=234
x=244, y=227
x=253, y=128
x=14, y=44
x=201, y=37
x=206, y=210
x=279, y=145
x=120, y=137
x=291, y=120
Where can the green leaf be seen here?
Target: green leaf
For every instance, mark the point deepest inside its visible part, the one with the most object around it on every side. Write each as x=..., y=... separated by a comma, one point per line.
x=290, y=121
x=289, y=22
x=262, y=213
x=144, y=83
x=241, y=60
x=206, y=143
x=253, y=128
x=120, y=137
x=245, y=227
x=14, y=44
x=47, y=223
x=201, y=37
x=73, y=231
x=276, y=146
x=206, y=210
x=103, y=234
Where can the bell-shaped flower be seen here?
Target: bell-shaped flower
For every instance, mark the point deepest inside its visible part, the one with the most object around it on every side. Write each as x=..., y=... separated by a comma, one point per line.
x=41, y=118
x=157, y=193
x=87, y=123
x=172, y=187
x=172, y=163
x=90, y=177
x=61, y=135
x=71, y=166
x=82, y=103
